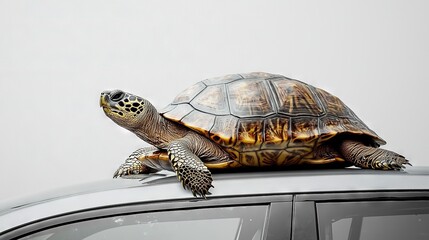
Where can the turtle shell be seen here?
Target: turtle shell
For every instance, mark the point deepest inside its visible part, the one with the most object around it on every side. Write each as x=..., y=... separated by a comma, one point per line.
x=263, y=119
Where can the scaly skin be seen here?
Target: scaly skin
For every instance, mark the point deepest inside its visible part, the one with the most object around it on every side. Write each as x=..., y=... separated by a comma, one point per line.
x=175, y=147
x=144, y=160
x=190, y=170
x=370, y=157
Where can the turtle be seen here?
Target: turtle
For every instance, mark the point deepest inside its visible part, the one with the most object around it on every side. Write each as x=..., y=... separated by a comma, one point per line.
x=252, y=120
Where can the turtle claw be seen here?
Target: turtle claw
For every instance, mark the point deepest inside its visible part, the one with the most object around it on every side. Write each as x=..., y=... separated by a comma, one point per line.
x=135, y=163
x=395, y=165
x=118, y=173
x=122, y=171
x=401, y=163
x=197, y=181
x=200, y=194
x=199, y=190
x=129, y=168
x=387, y=160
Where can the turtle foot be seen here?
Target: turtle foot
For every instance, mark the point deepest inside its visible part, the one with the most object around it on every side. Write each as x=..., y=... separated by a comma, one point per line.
x=397, y=162
x=387, y=160
x=130, y=167
x=197, y=180
x=136, y=163
x=371, y=157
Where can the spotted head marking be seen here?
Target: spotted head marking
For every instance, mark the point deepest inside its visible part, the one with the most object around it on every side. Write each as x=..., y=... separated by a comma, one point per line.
x=123, y=108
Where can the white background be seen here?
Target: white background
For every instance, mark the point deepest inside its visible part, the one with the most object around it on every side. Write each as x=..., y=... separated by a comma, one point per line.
x=57, y=56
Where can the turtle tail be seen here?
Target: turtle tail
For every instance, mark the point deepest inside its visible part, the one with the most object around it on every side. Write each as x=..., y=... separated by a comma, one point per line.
x=371, y=157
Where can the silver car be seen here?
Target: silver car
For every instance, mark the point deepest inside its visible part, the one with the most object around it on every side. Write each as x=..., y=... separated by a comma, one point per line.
x=295, y=204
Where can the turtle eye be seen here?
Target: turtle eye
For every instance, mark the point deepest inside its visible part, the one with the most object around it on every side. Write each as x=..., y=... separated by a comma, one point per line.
x=116, y=96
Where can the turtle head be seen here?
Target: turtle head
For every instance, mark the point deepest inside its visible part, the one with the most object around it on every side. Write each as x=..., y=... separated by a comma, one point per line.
x=125, y=109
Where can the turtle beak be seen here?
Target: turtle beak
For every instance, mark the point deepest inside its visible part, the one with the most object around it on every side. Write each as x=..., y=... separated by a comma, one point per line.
x=104, y=99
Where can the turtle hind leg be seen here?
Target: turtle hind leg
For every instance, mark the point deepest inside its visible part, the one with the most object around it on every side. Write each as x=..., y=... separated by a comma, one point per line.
x=371, y=157
x=190, y=170
x=144, y=160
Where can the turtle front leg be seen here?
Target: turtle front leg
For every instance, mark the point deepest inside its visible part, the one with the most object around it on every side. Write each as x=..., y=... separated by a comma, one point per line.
x=190, y=170
x=144, y=160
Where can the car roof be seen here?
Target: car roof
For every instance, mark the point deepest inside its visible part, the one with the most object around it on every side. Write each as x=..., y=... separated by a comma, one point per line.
x=165, y=186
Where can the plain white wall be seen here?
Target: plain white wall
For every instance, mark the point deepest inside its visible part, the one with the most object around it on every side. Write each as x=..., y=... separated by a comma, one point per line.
x=57, y=56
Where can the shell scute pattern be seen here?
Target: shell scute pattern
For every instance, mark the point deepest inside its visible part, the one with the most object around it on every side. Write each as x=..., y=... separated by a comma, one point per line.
x=270, y=157
x=329, y=126
x=333, y=104
x=222, y=80
x=249, y=159
x=261, y=75
x=212, y=100
x=249, y=135
x=224, y=131
x=295, y=98
x=178, y=112
x=199, y=121
x=250, y=98
x=262, y=119
x=304, y=131
x=188, y=94
x=276, y=133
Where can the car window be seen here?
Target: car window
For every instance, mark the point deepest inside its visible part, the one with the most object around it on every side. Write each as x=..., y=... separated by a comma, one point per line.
x=391, y=220
x=244, y=222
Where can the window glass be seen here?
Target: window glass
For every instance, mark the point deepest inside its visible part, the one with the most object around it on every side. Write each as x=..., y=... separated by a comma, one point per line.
x=391, y=220
x=245, y=222
x=340, y=228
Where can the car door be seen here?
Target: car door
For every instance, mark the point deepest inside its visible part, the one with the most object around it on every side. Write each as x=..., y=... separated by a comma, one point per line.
x=241, y=218
x=357, y=216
